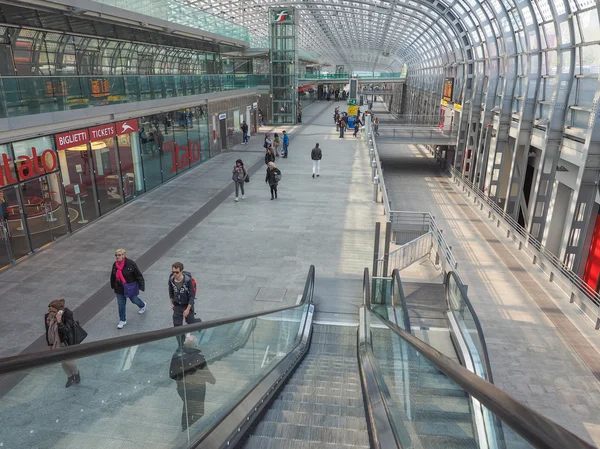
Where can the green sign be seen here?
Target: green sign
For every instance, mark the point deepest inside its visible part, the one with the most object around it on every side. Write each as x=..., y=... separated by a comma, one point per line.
x=352, y=102
x=283, y=15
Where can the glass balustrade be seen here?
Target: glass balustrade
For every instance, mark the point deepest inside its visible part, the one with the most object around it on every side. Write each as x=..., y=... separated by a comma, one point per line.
x=427, y=408
x=24, y=95
x=160, y=394
x=468, y=325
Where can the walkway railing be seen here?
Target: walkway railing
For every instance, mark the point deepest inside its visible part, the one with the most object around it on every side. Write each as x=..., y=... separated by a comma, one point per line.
x=25, y=95
x=419, y=235
x=347, y=76
x=579, y=293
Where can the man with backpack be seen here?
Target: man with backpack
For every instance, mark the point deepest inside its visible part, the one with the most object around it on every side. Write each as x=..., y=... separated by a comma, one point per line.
x=182, y=293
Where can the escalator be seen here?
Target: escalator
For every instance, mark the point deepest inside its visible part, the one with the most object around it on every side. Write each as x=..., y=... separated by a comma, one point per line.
x=287, y=378
x=321, y=401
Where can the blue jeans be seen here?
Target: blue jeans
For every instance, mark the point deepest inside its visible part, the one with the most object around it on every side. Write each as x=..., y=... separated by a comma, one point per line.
x=122, y=302
x=245, y=138
x=285, y=149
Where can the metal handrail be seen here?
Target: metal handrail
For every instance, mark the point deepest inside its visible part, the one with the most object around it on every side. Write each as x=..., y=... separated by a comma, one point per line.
x=37, y=359
x=517, y=228
x=379, y=170
x=480, y=335
x=398, y=281
x=529, y=424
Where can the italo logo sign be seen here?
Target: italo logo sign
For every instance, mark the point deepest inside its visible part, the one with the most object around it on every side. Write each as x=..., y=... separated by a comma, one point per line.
x=28, y=166
x=282, y=16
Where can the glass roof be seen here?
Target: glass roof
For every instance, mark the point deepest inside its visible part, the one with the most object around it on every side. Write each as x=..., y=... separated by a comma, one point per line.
x=378, y=35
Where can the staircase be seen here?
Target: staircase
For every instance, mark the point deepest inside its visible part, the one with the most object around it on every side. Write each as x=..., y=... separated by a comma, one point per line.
x=321, y=405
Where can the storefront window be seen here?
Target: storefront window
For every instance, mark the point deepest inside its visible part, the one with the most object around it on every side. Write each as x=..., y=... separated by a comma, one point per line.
x=43, y=213
x=14, y=243
x=44, y=210
x=78, y=179
x=169, y=169
x=131, y=165
x=180, y=155
x=151, y=138
x=199, y=134
x=7, y=166
x=107, y=176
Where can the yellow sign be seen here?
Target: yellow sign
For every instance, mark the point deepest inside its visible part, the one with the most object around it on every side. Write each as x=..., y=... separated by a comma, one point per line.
x=444, y=102
x=457, y=107
x=352, y=110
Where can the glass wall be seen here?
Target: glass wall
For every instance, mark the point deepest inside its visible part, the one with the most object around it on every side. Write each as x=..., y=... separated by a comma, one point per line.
x=52, y=185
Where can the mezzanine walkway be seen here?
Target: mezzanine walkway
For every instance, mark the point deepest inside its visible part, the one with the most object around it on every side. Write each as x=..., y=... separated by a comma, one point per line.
x=531, y=358
x=246, y=256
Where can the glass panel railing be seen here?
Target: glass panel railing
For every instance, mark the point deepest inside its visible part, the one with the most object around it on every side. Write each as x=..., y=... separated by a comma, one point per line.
x=427, y=408
x=469, y=326
x=161, y=394
x=381, y=296
x=26, y=95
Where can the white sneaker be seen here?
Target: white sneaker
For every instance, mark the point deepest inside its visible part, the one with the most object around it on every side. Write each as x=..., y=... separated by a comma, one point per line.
x=236, y=199
x=121, y=324
x=143, y=309
x=243, y=197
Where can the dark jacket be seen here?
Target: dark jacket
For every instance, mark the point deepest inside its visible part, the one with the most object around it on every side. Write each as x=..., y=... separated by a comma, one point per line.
x=270, y=178
x=316, y=154
x=186, y=294
x=244, y=127
x=269, y=158
x=65, y=328
x=131, y=273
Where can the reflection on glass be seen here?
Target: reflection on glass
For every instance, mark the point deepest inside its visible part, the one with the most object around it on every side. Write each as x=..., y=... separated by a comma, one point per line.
x=44, y=210
x=168, y=153
x=77, y=176
x=171, y=396
x=131, y=165
x=110, y=193
x=180, y=153
x=412, y=388
x=151, y=139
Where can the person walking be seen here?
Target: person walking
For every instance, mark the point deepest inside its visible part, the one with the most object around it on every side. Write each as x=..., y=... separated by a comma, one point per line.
x=239, y=175
x=273, y=177
x=126, y=280
x=357, y=124
x=286, y=144
x=182, y=294
x=244, y=129
x=268, y=142
x=316, y=156
x=276, y=144
x=59, y=323
x=269, y=156
x=376, y=126
x=342, y=127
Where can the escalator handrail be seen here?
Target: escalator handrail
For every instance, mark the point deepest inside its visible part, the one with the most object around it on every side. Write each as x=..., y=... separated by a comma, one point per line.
x=396, y=277
x=529, y=424
x=21, y=362
x=463, y=292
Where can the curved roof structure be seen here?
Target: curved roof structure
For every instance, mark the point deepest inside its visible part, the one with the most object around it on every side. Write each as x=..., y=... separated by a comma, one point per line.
x=377, y=35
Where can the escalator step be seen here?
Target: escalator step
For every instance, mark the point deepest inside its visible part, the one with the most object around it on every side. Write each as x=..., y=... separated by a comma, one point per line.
x=321, y=409
x=446, y=442
x=315, y=419
x=349, y=437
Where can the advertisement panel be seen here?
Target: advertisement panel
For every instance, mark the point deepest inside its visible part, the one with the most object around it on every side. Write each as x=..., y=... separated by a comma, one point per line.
x=448, y=89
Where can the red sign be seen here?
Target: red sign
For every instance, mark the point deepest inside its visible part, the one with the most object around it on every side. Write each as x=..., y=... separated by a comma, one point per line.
x=29, y=167
x=182, y=156
x=129, y=126
x=72, y=139
x=102, y=132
